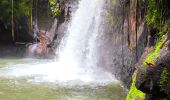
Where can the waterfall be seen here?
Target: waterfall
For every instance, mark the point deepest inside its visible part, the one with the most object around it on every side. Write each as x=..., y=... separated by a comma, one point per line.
x=79, y=45
x=78, y=53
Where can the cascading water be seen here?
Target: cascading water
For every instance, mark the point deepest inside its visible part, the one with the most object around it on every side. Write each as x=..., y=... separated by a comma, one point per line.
x=80, y=70
x=78, y=52
x=78, y=47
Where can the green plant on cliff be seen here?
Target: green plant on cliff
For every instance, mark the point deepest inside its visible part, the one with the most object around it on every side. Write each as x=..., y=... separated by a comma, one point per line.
x=164, y=77
x=152, y=14
x=134, y=93
x=157, y=14
x=55, y=10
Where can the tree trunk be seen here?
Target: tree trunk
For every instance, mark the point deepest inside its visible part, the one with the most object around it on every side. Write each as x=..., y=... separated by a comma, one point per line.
x=12, y=21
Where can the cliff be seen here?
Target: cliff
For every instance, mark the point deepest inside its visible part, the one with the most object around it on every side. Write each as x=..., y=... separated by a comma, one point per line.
x=150, y=79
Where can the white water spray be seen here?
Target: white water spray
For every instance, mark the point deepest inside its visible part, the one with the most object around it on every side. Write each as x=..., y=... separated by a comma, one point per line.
x=78, y=46
x=77, y=53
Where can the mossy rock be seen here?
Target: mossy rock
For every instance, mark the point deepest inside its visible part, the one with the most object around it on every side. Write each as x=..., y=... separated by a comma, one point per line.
x=140, y=75
x=155, y=53
x=134, y=93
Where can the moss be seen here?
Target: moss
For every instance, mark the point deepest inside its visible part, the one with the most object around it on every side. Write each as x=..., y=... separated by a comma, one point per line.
x=164, y=77
x=155, y=52
x=54, y=8
x=134, y=93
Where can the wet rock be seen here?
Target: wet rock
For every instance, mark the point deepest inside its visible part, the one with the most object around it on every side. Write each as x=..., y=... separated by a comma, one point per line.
x=21, y=31
x=12, y=50
x=41, y=48
x=151, y=84
x=155, y=81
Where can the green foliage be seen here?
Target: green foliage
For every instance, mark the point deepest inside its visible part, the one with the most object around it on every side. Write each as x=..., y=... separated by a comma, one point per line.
x=155, y=53
x=54, y=8
x=25, y=8
x=20, y=7
x=164, y=77
x=134, y=93
x=160, y=33
x=153, y=15
x=157, y=14
x=5, y=6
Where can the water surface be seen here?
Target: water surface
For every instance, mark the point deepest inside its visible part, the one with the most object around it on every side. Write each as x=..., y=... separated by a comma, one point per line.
x=15, y=85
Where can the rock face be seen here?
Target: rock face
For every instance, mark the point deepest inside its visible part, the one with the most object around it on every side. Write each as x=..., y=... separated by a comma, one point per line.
x=154, y=80
x=21, y=31
x=41, y=47
x=22, y=36
x=12, y=50
x=55, y=26
x=129, y=36
x=142, y=54
x=67, y=8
